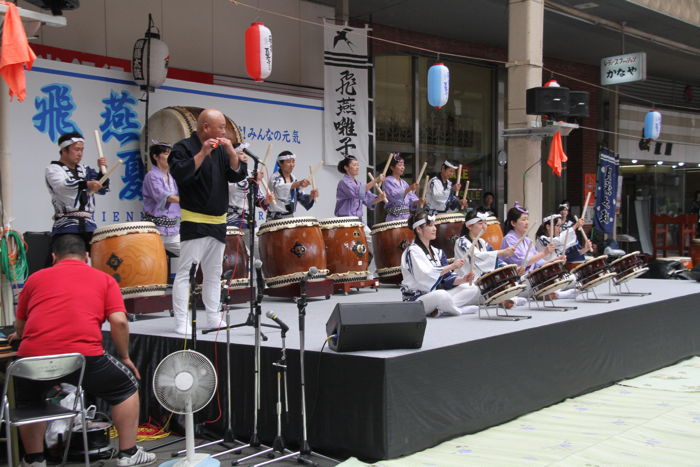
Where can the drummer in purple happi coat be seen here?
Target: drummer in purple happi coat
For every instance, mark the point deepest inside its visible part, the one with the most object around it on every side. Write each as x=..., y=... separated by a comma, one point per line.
x=526, y=257
x=161, y=201
x=401, y=197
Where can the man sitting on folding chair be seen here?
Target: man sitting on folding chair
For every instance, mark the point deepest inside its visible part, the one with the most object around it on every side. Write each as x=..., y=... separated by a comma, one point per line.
x=61, y=309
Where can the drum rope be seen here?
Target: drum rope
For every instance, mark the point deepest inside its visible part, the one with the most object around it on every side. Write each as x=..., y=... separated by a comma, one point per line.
x=13, y=256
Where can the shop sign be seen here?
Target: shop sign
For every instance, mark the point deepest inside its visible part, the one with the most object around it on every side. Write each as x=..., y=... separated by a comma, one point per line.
x=623, y=68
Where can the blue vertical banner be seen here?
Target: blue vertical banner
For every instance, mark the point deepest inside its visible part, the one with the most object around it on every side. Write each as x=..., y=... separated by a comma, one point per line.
x=606, y=191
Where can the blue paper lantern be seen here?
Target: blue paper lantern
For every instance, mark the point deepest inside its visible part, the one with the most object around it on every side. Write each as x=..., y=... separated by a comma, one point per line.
x=438, y=85
x=652, y=125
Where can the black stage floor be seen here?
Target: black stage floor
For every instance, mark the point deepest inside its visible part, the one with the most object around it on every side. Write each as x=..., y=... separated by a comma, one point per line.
x=470, y=374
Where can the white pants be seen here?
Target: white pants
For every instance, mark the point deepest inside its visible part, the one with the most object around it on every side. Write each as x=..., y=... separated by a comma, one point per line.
x=459, y=300
x=368, y=235
x=208, y=253
x=171, y=243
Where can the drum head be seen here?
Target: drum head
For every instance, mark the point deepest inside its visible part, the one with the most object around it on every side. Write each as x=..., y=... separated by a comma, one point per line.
x=449, y=218
x=597, y=281
x=622, y=259
x=544, y=267
x=382, y=226
x=336, y=222
x=123, y=228
x=630, y=274
x=488, y=275
x=553, y=287
x=506, y=294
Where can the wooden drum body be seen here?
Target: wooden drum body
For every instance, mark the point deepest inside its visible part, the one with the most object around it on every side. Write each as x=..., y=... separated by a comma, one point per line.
x=449, y=227
x=289, y=248
x=389, y=240
x=500, y=284
x=236, y=258
x=132, y=253
x=549, y=278
x=592, y=273
x=347, y=255
x=493, y=234
x=628, y=267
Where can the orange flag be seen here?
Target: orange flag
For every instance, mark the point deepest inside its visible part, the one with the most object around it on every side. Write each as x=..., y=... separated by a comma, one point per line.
x=15, y=53
x=556, y=155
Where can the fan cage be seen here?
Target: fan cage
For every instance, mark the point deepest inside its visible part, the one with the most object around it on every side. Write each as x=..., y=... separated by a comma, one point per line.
x=202, y=389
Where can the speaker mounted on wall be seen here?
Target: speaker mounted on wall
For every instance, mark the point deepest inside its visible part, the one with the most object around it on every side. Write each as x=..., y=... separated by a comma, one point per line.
x=547, y=101
x=578, y=103
x=376, y=326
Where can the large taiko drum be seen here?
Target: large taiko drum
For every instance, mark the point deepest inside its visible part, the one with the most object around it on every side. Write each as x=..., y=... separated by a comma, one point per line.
x=628, y=267
x=592, y=272
x=132, y=253
x=289, y=248
x=389, y=240
x=493, y=235
x=449, y=227
x=500, y=284
x=171, y=124
x=549, y=278
x=347, y=255
x=236, y=258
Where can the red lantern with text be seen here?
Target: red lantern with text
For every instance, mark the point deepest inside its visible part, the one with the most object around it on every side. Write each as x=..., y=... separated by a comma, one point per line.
x=258, y=51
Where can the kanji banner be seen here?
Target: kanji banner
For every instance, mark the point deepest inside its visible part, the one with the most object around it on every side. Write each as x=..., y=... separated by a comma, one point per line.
x=606, y=191
x=346, y=84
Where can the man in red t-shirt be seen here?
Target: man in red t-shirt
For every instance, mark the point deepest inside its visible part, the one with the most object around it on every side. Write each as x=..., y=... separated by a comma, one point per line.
x=61, y=310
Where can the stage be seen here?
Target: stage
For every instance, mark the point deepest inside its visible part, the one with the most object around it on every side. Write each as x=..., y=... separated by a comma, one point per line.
x=470, y=374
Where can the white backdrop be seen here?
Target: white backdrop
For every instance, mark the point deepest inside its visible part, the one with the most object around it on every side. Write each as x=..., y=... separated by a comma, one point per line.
x=60, y=95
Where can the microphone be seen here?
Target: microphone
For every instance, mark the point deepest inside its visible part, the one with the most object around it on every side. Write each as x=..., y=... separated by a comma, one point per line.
x=312, y=271
x=248, y=153
x=257, y=264
x=275, y=318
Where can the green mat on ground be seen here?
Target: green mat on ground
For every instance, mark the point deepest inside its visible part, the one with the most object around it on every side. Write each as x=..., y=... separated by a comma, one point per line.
x=650, y=420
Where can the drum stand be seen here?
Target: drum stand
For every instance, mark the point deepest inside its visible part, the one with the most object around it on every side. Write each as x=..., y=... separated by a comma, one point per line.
x=497, y=316
x=622, y=293
x=544, y=306
x=304, y=452
x=585, y=293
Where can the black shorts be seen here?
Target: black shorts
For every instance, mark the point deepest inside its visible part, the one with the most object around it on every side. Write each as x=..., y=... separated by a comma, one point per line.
x=105, y=377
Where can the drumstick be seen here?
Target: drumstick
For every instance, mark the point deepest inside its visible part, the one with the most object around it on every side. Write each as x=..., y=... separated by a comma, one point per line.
x=99, y=150
x=523, y=237
x=371, y=178
x=527, y=253
x=274, y=201
x=422, y=170
x=106, y=176
x=585, y=237
x=466, y=189
x=311, y=175
x=551, y=230
x=425, y=185
x=585, y=205
x=459, y=174
x=386, y=166
x=471, y=251
x=267, y=154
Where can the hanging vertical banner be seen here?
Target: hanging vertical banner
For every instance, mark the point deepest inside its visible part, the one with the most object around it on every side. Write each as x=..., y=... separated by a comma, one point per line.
x=606, y=191
x=346, y=84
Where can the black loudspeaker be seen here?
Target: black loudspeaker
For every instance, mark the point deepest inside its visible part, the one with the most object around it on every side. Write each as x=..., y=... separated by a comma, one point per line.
x=578, y=104
x=376, y=326
x=547, y=101
x=38, y=250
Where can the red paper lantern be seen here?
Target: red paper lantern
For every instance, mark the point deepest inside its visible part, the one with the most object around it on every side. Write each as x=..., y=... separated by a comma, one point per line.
x=258, y=51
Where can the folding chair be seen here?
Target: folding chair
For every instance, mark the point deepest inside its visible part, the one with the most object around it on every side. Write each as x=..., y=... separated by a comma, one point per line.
x=45, y=368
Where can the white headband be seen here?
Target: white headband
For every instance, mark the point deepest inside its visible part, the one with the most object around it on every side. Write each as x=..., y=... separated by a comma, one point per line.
x=68, y=142
x=449, y=164
x=420, y=222
x=481, y=216
x=551, y=218
x=286, y=157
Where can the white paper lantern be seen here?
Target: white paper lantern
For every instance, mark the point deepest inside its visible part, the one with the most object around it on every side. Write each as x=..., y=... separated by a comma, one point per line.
x=258, y=51
x=157, y=64
x=438, y=85
x=652, y=124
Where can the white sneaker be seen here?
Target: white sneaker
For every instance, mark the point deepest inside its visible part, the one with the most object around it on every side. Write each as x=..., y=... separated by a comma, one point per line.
x=141, y=457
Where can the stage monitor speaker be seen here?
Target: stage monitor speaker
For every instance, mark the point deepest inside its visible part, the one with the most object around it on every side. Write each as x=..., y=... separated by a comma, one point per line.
x=547, y=101
x=578, y=104
x=38, y=250
x=376, y=326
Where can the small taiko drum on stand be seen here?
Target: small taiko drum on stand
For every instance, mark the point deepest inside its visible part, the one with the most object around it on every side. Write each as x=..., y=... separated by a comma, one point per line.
x=493, y=235
x=549, y=278
x=132, y=253
x=236, y=258
x=389, y=240
x=288, y=249
x=347, y=255
x=449, y=227
x=592, y=273
x=500, y=284
x=628, y=267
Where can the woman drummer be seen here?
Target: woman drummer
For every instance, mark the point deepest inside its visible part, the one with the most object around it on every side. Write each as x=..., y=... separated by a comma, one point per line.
x=485, y=258
x=516, y=226
x=286, y=189
x=552, y=231
x=428, y=277
x=401, y=198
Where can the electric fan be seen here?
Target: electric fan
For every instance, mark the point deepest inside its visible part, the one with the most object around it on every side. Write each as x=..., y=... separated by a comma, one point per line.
x=184, y=382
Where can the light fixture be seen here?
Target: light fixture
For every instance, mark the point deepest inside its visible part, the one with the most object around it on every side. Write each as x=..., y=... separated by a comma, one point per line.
x=660, y=163
x=674, y=166
x=681, y=164
x=634, y=161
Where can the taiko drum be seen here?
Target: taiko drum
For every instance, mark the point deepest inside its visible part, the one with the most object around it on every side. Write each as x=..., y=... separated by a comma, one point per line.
x=389, y=240
x=236, y=258
x=347, y=255
x=133, y=254
x=449, y=226
x=493, y=235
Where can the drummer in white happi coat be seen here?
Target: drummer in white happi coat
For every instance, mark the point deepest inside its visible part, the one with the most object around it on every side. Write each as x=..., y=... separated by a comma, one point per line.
x=441, y=196
x=551, y=232
x=485, y=258
x=287, y=189
x=429, y=278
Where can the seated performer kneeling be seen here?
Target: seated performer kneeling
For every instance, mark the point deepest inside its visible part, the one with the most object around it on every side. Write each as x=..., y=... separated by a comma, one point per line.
x=429, y=278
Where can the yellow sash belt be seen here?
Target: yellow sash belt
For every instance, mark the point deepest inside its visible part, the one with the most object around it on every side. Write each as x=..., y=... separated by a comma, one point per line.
x=191, y=216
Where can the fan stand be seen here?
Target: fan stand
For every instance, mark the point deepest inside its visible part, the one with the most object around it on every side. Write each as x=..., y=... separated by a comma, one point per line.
x=304, y=452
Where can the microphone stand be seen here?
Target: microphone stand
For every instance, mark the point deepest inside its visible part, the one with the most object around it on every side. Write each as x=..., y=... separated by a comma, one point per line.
x=302, y=455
